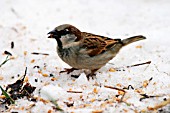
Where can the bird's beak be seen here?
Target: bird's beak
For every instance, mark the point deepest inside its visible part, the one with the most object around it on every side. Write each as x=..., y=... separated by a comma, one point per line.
x=53, y=34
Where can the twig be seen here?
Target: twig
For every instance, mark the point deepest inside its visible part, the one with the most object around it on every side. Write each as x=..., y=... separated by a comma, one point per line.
x=121, y=100
x=22, y=79
x=36, y=53
x=114, y=88
x=145, y=96
x=74, y=91
x=139, y=64
x=119, y=68
x=5, y=61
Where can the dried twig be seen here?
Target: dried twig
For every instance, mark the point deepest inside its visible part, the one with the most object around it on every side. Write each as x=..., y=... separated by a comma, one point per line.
x=139, y=64
x=118, y=90
x=7, y=59
x=74, y=91
x=145, y=96
x=36, y=53
x=114, y=88
x=118, y=69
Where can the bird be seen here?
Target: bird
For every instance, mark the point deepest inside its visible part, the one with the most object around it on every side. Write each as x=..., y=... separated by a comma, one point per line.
x=83, y=50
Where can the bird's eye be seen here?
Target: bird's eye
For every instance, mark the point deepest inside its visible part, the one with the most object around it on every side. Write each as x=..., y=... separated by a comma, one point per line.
x=66, y=30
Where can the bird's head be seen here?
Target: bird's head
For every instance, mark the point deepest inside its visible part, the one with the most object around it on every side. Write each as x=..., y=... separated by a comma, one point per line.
x=65, y=33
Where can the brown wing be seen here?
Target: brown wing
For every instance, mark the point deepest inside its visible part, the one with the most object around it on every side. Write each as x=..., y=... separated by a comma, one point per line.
x=96, y=44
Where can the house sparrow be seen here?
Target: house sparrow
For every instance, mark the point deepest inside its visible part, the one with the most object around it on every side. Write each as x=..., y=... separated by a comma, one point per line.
x=82, y=50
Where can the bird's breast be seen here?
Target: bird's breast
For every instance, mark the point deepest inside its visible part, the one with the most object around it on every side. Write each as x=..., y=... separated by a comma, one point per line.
x=72, y=57
x=68, y=55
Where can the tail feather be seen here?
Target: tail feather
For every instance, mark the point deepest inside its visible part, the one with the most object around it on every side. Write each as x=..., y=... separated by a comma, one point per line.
x=132, y=39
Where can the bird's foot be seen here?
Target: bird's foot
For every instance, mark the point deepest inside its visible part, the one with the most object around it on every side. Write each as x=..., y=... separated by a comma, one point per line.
x=68, y=70
x=92, y=74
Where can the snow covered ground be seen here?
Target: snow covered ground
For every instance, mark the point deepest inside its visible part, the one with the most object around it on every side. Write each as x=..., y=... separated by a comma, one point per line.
x=27, y=22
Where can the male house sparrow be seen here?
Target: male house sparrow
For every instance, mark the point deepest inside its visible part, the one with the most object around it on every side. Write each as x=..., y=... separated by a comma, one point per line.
x=82, y=50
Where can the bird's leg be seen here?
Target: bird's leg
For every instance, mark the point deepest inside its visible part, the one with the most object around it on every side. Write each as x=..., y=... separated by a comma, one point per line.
x=92, y=74
x=68, y=70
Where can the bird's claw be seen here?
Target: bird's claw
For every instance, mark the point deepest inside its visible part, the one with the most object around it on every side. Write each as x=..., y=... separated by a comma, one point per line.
x=68, y=70
x=92, y=75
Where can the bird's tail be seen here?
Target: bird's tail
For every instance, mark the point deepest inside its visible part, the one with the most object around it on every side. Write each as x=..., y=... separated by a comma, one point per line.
x=132, y=39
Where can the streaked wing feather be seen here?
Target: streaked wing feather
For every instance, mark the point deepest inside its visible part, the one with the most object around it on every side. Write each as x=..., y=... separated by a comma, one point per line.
x=96, y=44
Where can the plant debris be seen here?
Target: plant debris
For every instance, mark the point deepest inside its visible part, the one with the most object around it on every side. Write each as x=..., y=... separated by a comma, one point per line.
x=7, y=53
x=121, y=100
x=139, y=64
x=7, y=96
x=56, y=107
x=17, y=90
x=74, y=91
x=36, y=53
x=145, y=96
x=114, y=88
x=5, y=61
x=129, y=86
x=69, y=104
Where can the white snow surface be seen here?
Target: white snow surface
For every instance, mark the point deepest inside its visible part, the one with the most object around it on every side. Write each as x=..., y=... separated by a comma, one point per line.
x=27, y=22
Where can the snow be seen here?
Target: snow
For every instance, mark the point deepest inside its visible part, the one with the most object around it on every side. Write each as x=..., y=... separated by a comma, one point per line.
x=27, y=23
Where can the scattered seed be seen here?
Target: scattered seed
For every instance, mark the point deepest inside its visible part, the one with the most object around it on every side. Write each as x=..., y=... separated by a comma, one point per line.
x=51, y=75
x=97, y=111
x=25, y=53
x=2, y=96
x=45, y=75
x=49, y=111
x=33, y=60
x=139, y=46
x=1, y=77
x=53, y=79
x=95, y=90
x=36, y=80
x=150, y=78
x=112, y=70
x=12, y=45
x=36, y=67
